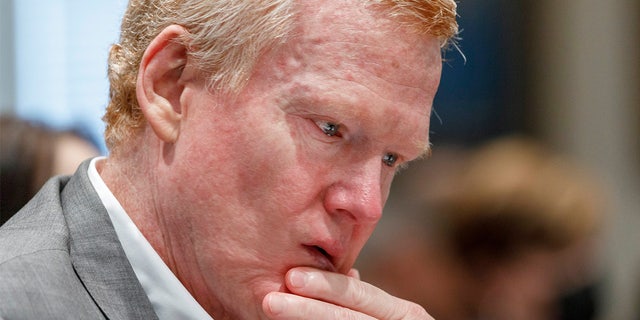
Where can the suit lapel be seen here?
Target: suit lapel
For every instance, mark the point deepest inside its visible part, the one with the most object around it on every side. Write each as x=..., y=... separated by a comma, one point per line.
x=97, y=254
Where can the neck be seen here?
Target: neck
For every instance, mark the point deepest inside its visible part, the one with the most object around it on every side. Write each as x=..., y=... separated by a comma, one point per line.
x=133, y=176
x=128, y=173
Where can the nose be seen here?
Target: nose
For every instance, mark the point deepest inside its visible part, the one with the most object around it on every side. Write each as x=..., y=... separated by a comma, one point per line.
x=358, y=192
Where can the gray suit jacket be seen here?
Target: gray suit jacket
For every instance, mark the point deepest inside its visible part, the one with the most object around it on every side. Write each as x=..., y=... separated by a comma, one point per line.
x=60, y=258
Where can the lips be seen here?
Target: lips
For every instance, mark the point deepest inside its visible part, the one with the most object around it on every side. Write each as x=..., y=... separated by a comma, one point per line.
x=321, y=258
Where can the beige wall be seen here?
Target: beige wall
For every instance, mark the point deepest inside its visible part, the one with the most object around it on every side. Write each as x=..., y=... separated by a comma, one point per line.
x=586, y=89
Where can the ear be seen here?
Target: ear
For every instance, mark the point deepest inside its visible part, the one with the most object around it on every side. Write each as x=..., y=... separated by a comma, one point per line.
x=158, y=87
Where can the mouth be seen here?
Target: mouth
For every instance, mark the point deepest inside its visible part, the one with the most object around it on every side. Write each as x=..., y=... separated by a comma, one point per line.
x=322, y=259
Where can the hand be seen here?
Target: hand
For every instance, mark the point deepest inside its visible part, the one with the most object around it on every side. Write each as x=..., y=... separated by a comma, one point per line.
x=318, y=294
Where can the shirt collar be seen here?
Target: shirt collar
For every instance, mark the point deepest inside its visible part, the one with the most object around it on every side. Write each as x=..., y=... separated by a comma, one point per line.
x=169, y=298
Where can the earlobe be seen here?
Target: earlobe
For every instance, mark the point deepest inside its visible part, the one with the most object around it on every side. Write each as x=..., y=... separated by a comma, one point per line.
x=159, y=85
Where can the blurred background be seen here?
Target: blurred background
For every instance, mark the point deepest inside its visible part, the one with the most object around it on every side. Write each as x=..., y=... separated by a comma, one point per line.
x=563, y=73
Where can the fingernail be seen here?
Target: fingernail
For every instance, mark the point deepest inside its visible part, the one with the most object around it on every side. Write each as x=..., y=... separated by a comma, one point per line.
x=298, y=279
x=277, y=303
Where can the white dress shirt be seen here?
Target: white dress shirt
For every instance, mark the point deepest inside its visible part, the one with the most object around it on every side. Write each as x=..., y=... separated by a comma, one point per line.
x=169, y=298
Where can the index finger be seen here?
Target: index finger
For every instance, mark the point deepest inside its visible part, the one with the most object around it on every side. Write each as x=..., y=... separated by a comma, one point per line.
x=351, y=293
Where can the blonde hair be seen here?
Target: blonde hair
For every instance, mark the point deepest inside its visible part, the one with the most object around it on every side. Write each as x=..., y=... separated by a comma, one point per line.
x=226, y=38
x=433, y=17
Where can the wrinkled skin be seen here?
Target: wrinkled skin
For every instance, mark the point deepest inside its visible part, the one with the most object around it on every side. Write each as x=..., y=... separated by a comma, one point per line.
x=293, y=172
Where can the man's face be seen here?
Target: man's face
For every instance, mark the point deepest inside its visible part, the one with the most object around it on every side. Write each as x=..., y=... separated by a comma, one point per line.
x=296, y=169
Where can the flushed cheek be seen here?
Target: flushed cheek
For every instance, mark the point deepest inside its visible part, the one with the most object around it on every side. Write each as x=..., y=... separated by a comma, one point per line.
x=274, y=178
x=278, y=173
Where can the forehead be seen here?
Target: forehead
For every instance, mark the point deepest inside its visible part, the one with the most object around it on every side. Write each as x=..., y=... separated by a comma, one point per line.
x=352, y=34
x=350, y=59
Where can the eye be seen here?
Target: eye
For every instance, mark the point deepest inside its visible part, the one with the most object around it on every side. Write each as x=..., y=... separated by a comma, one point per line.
x=329, y=128
x=390, y=159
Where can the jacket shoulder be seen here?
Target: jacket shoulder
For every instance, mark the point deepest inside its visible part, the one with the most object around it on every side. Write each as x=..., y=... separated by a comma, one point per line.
x=43, y=285
x=37, y=279
x=39, y=225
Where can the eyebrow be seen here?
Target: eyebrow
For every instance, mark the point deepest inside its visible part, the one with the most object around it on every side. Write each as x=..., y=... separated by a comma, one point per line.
x=307, y=99
x=426, y=152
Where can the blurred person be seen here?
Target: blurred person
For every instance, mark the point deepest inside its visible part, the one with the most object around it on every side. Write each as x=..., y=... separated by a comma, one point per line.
x=32, y=153
x=252, y=147
x=507, y=231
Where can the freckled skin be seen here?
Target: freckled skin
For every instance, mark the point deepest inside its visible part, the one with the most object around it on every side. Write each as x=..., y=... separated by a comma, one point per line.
x=253, y=181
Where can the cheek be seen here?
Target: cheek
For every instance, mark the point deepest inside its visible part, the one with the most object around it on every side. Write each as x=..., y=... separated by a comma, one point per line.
x=278, y=165
x=273, y=173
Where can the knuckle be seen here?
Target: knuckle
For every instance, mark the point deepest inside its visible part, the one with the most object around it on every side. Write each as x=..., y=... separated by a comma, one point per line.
x=358, y=295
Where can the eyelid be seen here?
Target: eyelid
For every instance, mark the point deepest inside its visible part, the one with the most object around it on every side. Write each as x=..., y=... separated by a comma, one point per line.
x=402, y=162
x=329, y=128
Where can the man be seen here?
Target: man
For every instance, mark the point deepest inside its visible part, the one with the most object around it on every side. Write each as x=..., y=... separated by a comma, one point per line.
x=252, y=146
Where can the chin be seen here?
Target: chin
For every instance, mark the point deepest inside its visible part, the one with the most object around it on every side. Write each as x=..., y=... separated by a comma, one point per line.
x=244, y=308
x=257, y=291
x=243, y=298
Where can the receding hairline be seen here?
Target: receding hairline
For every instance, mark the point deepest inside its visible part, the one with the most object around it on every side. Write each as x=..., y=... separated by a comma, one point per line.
x=123, y=117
